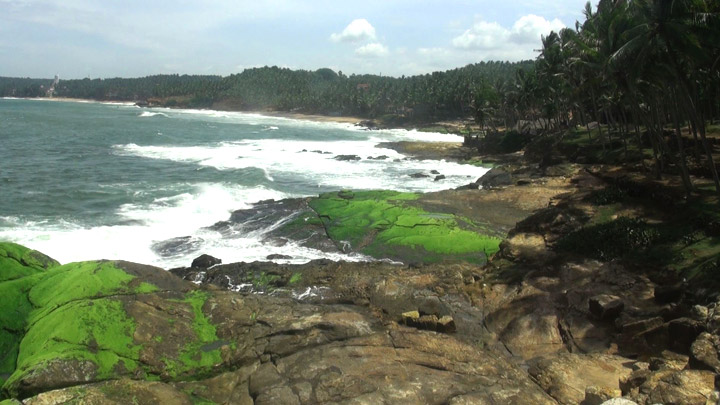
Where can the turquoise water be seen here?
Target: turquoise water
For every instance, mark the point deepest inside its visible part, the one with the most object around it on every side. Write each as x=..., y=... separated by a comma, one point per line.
x=84, y=181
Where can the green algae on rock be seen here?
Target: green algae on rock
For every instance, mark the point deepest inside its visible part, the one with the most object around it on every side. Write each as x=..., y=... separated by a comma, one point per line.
x=384, y=224
x=18, y=261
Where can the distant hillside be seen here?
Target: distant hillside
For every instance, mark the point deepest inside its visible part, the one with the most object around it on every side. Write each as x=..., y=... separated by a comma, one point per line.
x=433, y=96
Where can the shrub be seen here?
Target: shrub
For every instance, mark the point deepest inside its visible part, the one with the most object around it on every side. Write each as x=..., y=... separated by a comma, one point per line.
x=611, y=240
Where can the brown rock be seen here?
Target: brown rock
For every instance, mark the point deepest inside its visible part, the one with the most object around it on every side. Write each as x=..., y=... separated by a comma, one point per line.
x=567, y=376
x=598, y=395
x=687, y=387
x=705, y=353
x=638, y=327
x=683, y=332
x=606, y=307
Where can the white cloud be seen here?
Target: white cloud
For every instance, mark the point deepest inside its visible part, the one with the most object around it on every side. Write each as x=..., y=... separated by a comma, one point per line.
x=372, y=50
x=529, y=28
x=358, y=30
x=492, y=36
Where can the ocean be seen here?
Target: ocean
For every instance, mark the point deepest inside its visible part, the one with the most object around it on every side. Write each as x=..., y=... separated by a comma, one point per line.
x=85, y=181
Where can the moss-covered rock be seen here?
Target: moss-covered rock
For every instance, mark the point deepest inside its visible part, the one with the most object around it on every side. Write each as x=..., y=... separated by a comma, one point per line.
x=384, y=224
x=18, y=261
x=98, y=320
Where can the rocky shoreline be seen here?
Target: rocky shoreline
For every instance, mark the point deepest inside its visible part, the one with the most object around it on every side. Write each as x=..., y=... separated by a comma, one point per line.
x=540, y=322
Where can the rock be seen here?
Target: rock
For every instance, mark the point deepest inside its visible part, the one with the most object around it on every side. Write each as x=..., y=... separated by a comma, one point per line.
x=705, y=352
x=533, y=335
x=525, y=247
x=446, y=324
x=606, y=307
x=638, y=327
x=276, y=256
x=440, y=177
x=118, y=392
x=410, y=318
x=402, y=366
x=669, y=361
x=668, y=294
x=17, y=261
x=176, y=246
x=434, y=172
x=683, y=332
x=619, y=401
x=690, y=387
x=345, y=158
x=381, y=157
x=205, y=261
x=566, y=376
x=700, y=313
x=470, y=186
x=418, y=175
x=495, y=177
x=599, y=395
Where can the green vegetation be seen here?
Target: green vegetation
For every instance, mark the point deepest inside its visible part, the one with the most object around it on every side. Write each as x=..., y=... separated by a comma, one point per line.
x=383, y=223
x=611, y=240
x=198, y=355
x=60, y=313
x=18, y=261
x=295, y=278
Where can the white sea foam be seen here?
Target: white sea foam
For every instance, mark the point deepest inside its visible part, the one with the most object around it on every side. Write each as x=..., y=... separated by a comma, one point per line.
x=165, y=218
x=282, y=161
x=152, y=114
x=315, y=163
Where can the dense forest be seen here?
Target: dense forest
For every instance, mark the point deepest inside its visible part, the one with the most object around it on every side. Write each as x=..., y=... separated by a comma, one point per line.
x=646, y=70
x=431, y=96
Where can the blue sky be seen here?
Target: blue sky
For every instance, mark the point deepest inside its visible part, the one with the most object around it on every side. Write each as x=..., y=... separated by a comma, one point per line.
x=130, y=38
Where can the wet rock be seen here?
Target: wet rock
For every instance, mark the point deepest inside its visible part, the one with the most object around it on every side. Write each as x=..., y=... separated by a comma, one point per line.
x=419, y=175
x=277, y=256
x=606, y=307
x=705, y=352
x=440, y=177
x=381, y=157
x=176, y=246
x=470, y=186
x=495, y=177
x=205, y=261
x=434, y=172
x=346, y=158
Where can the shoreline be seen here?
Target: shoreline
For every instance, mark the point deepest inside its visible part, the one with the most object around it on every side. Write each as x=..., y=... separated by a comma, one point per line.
x=341, y=119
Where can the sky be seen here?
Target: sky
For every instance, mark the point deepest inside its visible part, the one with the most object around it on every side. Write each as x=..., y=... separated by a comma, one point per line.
x=131, y=38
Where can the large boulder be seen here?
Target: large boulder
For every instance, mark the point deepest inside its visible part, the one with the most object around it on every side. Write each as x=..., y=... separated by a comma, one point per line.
x=567, y=377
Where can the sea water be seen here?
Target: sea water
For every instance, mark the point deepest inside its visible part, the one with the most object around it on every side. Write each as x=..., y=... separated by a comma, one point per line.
x=83, y=181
